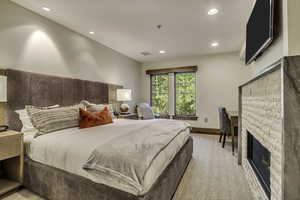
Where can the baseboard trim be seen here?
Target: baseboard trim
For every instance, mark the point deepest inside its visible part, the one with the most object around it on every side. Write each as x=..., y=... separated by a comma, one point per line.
x=207, y=131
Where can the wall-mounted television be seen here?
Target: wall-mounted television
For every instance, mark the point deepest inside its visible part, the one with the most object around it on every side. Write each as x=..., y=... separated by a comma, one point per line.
x=260, y=31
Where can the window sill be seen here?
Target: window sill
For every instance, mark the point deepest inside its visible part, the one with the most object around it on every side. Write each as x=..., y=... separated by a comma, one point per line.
x=178, y=117
x=162, y=116
x=192, y=118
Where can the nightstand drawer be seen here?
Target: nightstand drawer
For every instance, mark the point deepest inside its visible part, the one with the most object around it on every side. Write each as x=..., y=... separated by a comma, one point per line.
x=10, y=146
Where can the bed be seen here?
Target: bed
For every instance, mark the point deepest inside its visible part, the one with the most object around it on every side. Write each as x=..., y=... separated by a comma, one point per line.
x=53, y=162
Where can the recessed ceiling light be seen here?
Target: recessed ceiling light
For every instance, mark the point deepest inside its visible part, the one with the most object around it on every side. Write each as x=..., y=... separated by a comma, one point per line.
x=92, y=32
x=46, y=9
x=162, y=51
x=214, y=44
x=213, y=11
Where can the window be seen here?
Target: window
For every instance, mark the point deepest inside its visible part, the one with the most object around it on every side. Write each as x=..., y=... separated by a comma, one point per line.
x=160, y=93
x=173, y=92
x=185, y=94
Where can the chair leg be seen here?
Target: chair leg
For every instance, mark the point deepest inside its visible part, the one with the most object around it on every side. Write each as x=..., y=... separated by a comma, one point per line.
x=224, y=139
x=232, y=139
x=233, y=144
x=220, y=139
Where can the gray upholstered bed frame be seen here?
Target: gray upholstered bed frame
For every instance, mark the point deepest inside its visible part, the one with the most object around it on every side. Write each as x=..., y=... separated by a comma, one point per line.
x=57, y=184
x=26, y=88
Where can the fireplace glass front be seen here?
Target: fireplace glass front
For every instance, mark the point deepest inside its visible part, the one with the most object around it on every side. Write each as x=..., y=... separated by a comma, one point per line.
x=259, y=159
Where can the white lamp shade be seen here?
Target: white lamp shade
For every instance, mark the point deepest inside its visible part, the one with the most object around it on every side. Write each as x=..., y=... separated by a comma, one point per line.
x=123, y=94
x=3, y=89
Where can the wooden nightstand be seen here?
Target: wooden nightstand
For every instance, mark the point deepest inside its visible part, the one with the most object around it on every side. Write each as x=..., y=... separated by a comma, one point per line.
x=128, y=116
x=11, y=161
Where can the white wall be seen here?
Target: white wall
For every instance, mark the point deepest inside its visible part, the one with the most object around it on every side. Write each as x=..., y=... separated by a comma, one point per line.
x=293, y=26
x=33, y=43
x=270, y=56
x=218, y=78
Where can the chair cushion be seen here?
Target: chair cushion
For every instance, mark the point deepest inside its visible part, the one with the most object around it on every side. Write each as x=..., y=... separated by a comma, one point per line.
x=145, y=111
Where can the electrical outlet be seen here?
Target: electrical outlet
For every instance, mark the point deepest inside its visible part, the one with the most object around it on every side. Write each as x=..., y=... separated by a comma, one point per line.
x=205, y=119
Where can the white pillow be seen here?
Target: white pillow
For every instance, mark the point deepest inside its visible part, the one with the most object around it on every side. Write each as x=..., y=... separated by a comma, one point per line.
x=94, y=108
x=28, y=128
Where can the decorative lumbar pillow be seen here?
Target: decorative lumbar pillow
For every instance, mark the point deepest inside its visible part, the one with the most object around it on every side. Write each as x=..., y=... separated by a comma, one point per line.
x=47, y=121
x=95, y=108
x=88, y=119
x=28, y=128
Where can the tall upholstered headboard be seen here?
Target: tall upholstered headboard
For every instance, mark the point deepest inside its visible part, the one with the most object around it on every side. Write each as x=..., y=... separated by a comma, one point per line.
x=25, y=88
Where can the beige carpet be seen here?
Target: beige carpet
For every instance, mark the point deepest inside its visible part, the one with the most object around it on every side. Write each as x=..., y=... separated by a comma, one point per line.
x=213, y=174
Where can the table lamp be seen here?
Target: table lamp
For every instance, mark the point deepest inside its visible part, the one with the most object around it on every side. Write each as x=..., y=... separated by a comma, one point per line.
x=124, y=95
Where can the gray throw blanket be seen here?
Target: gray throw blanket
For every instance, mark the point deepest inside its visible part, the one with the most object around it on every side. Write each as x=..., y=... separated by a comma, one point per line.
x=130, y=156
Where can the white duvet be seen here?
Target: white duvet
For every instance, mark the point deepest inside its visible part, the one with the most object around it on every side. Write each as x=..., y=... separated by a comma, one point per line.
x=69, y=149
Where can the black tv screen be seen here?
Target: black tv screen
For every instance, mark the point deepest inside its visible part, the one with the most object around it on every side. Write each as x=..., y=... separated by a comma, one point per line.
x=259, y=29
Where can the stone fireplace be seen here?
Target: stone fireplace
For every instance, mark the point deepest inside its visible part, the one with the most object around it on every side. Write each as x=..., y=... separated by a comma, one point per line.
x=269, y=146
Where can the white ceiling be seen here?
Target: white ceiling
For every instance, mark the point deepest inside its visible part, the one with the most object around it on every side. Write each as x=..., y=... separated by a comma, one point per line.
x=129, y=26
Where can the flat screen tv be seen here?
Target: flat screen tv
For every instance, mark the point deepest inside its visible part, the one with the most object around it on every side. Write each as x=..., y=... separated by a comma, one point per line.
x=259, y=29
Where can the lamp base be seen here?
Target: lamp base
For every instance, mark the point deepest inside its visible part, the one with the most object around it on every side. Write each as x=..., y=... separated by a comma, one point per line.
x=124, y=108
x=124, y=113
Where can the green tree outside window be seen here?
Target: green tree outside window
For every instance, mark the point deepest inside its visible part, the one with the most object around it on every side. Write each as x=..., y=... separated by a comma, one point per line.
x=185, y=84
x=160, y=93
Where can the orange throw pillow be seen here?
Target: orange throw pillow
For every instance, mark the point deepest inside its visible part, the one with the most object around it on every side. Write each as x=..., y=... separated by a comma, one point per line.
x=105, y=115
x=88, y=119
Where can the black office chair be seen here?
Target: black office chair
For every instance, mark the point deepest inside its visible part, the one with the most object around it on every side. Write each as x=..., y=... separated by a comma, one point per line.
x=224, y=124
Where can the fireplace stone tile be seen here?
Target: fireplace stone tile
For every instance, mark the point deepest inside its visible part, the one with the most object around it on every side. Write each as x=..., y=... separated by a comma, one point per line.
x=292, y=128
x=270, y=110
x=261, y=115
